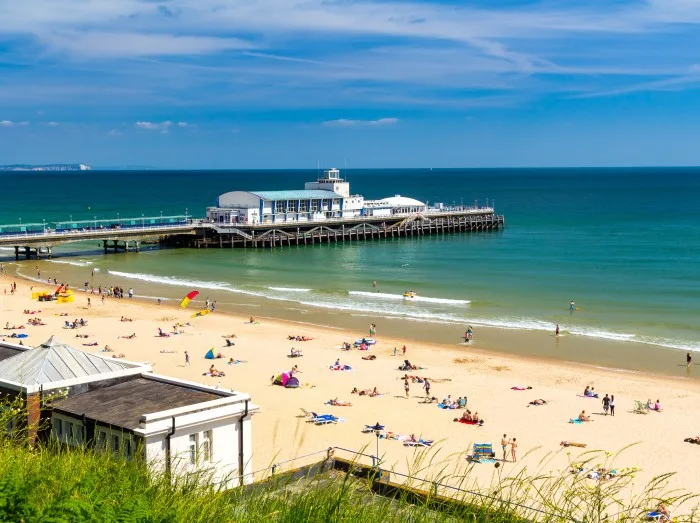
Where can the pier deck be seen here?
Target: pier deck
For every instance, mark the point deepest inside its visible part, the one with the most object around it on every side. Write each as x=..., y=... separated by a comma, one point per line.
x=343, y=230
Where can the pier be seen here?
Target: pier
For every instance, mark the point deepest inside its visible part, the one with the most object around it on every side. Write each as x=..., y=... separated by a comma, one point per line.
x=433, y=222
x=34, y=240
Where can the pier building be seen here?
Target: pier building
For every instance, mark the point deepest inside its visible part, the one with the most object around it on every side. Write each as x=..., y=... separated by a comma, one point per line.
x=327, y=198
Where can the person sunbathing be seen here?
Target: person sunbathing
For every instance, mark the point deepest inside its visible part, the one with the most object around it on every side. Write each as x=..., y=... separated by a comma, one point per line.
x=538, y=402
x=213, y=372
x=107, y=349
x=369, y=357
x=696, y=439
x=162, y=333
x=124, y=318
x=337, y=403
x=572, y=444
x=229, y=343
x=232, y=336
x=583, y=417
x=467, y=415
x=129, y=337
x=665, y=513
x=354, y=391
x=120, y=355
x=93, y=344
x=374, y=393
x=81, y=335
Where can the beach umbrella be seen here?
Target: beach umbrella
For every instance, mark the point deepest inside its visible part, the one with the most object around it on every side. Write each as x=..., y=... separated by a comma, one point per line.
x=187, y=299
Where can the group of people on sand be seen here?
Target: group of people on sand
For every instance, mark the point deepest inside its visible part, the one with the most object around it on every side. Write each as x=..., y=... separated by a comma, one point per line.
x=299, y=338
x=9, y=327
x=366, y=392
x=513, y=444
x=214, y=373
x=35, y=321
x=75, y=324
x=116, y=292
x=459, y=403
x=468, y=416
x=655, y=406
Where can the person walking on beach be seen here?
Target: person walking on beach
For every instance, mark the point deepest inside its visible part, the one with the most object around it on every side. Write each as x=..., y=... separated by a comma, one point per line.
x=504, y=446
x=131, y=293
x=426, y=386
x=404, y=350
x=612, y=405
x=406, y=386
x=187, y=358
x=513, y=446
x=556, y=331
x=394, y=351
x=688, y=359
x=606, y=404
x=89, y=304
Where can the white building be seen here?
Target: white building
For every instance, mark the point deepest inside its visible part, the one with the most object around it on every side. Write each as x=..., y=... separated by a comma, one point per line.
x=395, y=205
x=327, y=198
x=122, y=407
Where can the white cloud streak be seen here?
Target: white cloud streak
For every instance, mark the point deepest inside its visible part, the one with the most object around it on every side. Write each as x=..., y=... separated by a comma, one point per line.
x=343, y=122
x=6, y=123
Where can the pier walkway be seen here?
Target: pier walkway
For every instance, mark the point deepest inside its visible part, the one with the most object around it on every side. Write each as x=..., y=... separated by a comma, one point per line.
x=128, y=234
x=121, y=234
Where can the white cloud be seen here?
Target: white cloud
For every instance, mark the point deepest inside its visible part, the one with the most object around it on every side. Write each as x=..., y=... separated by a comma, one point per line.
x=182, y=124
x=114, y=132
x=23, y=123
x=127, y=44
x=163, y=127
x=52, y=124
x=6, y=123
x=344, y=122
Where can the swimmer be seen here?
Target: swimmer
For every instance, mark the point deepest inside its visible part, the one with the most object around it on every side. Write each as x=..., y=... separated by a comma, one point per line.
x=572, y=307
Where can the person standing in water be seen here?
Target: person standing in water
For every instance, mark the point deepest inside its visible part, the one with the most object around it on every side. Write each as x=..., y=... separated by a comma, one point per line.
x=688, y=359
x=556, y=332
x=374, y=284
x=572, y=306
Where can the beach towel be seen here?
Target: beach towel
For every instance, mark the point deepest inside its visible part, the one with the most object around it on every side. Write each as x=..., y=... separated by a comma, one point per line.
x=420, y=443
x=234, y=362
x=448, y=407
x=595, y=396
x=480, y=423
x=520, y=388
x=575, y=421
x=340, y=367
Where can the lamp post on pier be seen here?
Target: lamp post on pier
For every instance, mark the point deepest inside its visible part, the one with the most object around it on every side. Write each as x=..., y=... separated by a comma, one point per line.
x=142, y=225
x=43, y=221
x=95, y=219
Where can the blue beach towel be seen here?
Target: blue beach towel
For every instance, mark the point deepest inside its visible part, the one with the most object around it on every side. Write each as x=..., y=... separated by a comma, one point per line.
x=575, y=421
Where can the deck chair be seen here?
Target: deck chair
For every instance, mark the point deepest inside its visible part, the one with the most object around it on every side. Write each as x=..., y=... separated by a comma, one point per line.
x=327, y=420
x=304, y=413
x=482, y=453
x=640, y=408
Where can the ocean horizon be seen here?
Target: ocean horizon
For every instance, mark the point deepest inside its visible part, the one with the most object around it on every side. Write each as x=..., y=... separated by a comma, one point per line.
x=622, y=243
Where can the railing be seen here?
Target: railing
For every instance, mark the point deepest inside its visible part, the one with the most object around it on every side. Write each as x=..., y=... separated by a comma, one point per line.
x=430, y=487
x=267, y=223
x=91, y=232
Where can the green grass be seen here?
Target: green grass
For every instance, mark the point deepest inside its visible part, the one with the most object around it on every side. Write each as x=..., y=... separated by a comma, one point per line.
x=52, y=483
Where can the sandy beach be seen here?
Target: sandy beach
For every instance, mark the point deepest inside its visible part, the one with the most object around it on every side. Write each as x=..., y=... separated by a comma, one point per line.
x=653, y=442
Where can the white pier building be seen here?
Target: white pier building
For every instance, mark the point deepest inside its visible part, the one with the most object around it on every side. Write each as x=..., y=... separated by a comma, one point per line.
x=326, y=199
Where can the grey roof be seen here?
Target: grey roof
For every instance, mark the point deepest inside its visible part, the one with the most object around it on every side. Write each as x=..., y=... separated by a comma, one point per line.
x=302, y=194
x=54, y=361
x=123, y=405
x=8, y=352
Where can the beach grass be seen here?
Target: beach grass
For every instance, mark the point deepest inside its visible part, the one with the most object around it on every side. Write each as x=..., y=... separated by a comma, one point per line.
x=55, y=483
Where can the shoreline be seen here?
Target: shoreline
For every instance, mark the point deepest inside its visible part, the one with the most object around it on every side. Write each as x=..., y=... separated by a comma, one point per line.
x=614, y=355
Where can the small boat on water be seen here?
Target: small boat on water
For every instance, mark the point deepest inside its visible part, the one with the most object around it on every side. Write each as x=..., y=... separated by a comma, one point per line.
x=409, y=295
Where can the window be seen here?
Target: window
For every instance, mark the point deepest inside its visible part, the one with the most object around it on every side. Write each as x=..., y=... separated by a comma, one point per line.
x=71, y=434
x=127, y=447
x=115, y=444
x=205, y=449
x=193, y=449
x=314, y=205
x=59, y=428
x=303, y=206
x=291, y=206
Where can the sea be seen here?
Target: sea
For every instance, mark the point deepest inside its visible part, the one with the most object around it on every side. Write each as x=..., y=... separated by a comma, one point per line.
x=623, y=244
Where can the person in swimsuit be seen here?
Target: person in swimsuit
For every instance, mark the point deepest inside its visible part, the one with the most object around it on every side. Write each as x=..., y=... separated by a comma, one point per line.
x=556, y=332
x=513, y=446
x=504, y=446
x=688, y=359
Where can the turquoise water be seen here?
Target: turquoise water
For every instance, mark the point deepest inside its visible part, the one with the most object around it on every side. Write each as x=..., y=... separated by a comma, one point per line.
x=623, y=243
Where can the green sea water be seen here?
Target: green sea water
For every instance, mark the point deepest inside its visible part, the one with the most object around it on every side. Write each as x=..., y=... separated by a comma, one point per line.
x=624, y=244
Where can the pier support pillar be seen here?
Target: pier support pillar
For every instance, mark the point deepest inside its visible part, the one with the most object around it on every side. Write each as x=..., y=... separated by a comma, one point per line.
x=136, y=245
x=27, y=253
x=49, y=252
x=17, y=253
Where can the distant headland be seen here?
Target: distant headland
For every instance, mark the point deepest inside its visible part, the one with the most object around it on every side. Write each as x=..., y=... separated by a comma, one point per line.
x=47, y=167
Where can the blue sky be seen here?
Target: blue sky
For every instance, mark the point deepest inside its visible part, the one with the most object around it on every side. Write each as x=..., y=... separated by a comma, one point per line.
x=284, y=83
